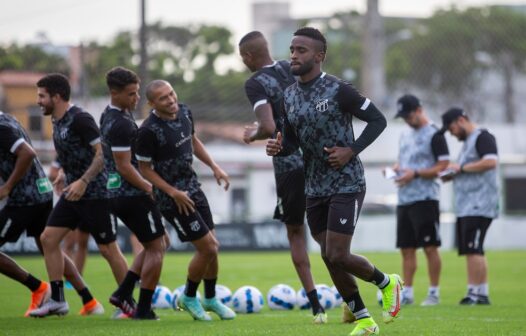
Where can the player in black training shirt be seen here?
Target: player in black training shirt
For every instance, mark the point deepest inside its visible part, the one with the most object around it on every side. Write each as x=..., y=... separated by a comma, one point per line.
x=131, y=194
x=165, y=147
x=319, y=110
x=84, y=201
x=29, y=201
x=264, y=90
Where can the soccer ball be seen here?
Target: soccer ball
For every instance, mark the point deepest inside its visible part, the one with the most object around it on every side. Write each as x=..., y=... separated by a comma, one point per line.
x=176, y=295
x=224, y=295
x=247, y=300
x=162, y=297
x=326, y=296
x=281, y=297
x=302, y=301
x=338, y=298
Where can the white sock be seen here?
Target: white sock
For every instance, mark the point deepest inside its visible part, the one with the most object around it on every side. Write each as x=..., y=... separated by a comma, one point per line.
x=483, y=289
x=407, y=292
x=472, y=290
x=435, y=291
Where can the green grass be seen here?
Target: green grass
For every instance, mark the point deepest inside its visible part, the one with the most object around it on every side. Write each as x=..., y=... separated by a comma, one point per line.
x=506, y=315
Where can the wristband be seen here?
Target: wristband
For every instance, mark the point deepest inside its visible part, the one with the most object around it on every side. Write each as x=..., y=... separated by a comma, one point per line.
x=462, y=169
x=416, y=174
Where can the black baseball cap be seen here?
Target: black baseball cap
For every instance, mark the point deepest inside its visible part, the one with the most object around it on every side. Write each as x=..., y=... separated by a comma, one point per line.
x=450, y=116
x=406, y=104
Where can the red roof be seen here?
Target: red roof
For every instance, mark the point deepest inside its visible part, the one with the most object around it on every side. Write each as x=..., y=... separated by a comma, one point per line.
x=19, y=78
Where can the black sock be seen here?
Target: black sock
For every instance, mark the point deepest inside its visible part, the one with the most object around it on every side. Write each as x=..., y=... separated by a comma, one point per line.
x=380, y=279
x=32, y=283
x=57, y=290
x=191, y=288
x=210, y=288
x=145, y=301
x=357, y=306
x=314, y=302
x=85, y=295
x=127, y=285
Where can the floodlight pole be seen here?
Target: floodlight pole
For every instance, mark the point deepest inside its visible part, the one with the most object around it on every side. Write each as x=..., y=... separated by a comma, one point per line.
x=143, y=66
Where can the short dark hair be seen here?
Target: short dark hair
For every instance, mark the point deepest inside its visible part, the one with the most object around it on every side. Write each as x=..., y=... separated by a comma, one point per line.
x=119, y=77
x=250, y=36
x=314, y=34
x=56, y=84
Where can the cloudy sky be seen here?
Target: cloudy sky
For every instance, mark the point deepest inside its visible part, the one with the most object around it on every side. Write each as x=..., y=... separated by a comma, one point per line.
x=74, y=21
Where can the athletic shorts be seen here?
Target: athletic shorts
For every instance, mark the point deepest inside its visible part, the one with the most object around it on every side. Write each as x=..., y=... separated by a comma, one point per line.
x=15, y=220
x=141, y=215
x=290, y=208
x=418, y=225
x=336, y=213
x=91, y=216
x=471, y=232
x=194, y=226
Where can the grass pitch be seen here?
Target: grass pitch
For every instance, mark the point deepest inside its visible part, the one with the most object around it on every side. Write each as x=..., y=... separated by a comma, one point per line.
x=506, y=315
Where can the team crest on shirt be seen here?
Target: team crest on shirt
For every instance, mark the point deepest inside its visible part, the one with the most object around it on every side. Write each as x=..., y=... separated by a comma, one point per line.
x=194, y=226
x=322, y=105
x=63, y=133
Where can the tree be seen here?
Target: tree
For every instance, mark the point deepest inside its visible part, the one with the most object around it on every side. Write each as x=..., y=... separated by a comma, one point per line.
x=31, y=58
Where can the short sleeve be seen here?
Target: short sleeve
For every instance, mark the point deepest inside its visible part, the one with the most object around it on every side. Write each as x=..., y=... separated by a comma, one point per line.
x=350, y=99
x=439, y=147
x=84, y=125
x=9, y=139
x=486, y=145
x=256, y=93
x=121, y=135
x=146, y=144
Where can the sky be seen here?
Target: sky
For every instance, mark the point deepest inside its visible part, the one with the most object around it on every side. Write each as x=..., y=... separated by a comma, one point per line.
x=74, y=21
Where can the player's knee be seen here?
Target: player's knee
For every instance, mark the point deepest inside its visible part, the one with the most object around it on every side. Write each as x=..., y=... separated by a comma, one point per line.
x=336, y=257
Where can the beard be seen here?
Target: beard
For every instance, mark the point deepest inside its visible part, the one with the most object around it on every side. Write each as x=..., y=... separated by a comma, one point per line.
x=462, y=135
x=47, y=109
x=303, y=68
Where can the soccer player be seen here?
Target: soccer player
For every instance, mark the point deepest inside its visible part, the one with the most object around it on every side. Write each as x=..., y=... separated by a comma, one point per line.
x=319, y=110
x=165, y=147
x=423, y=154
x=131, y=194
x=84, y=202
x=264, y=90
x=29, y=200
x=476, y=198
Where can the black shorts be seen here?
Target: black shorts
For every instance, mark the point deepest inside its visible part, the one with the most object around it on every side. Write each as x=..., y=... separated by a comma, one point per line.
x=194, y=226
x=15, y=220
x=336, y=213
x=290, y=188
x=418, y=225
x=91, y=216
x=471, y=232
x=141, y=215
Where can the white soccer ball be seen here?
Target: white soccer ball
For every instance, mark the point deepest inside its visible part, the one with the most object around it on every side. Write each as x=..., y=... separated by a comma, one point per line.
x=281, y=297
x=326, y=296
x=247, y=300
x=338, y=298
x=224, y=295
x=162, y=297
x=302, y=301
x=176, y=295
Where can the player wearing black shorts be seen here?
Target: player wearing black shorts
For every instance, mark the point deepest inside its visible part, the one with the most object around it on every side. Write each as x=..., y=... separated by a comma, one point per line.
x=166, y=144
x=476, y=198
x=84, y=202
x=423, y=154
x=29, y=200
x=131, y=194
x=319, y=110
x=264, y=89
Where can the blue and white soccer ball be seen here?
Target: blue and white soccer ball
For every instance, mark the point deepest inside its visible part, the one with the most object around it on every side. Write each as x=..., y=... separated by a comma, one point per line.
x=338, y=298
x=247, y=300
x=302, y=301
x=176, y=295
x=326, y=296
x=224, y=295
x=162, y=297
x=281, y=297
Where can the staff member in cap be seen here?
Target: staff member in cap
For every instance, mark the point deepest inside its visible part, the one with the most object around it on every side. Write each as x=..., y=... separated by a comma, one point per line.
x=423, y=154
x=476, y=197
